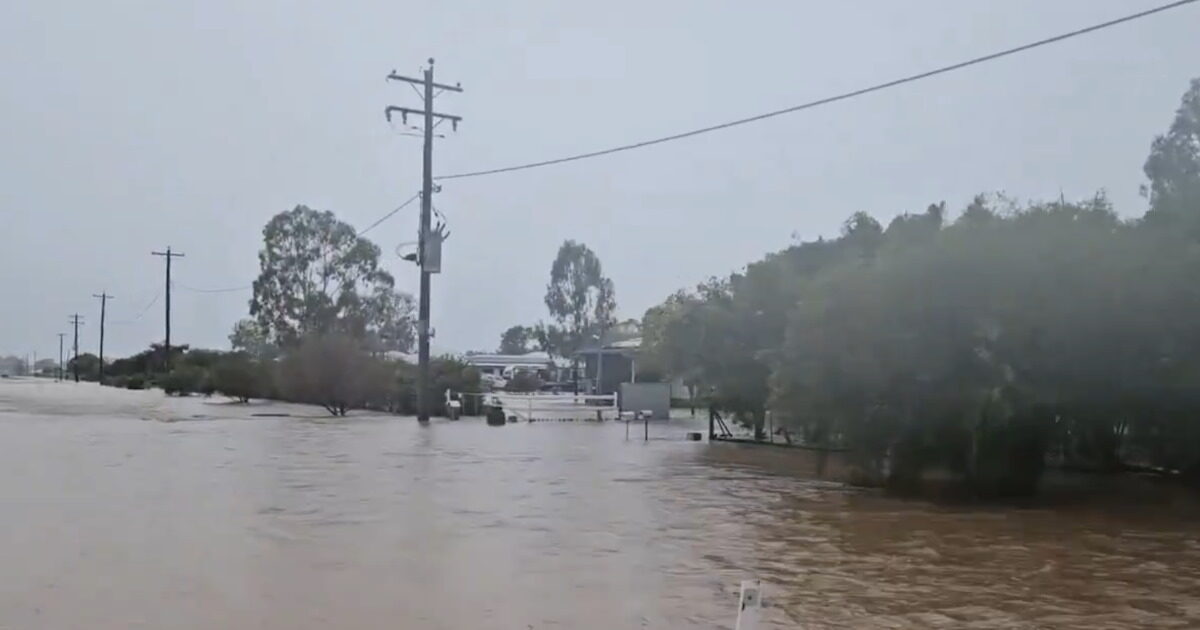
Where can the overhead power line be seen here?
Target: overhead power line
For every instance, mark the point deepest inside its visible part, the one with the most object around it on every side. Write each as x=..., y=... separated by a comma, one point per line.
x=389, y=215
x=829, y=99
x=141, y=313
x=244, y=287
x=247, y=287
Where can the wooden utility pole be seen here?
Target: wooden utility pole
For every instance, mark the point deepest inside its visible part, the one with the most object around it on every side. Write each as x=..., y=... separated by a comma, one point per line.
x=61, y=373
x=104, y=298
x=75, y=319
x=167, y=342
x=423, y=237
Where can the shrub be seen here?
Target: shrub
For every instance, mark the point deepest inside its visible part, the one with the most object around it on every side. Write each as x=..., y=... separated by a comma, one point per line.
x=182, y=380
x=327, y=370
x=238, y=377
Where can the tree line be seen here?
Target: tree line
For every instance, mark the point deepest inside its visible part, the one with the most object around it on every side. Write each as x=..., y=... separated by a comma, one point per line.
x=1009, y=338
x=326, y=327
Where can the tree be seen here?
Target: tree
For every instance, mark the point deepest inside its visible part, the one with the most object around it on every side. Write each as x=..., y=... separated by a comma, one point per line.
x=252, y=339
x=516, y=340
x=990, y=347
x=549, y=339
x=45, y=366
x=88, y=364
x=393, y=325
x=330, y=370
x=580, y=298
x=238, y=376
x=183, y=380
x=317, y=277
x=1173, y=166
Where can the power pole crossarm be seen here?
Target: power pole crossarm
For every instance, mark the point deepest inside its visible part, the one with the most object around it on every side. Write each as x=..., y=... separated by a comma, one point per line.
x=428, y=266
x=405, y=111
x=440, y=86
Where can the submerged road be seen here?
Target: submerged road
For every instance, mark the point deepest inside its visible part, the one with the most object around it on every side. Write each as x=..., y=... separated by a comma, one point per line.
x=130, y=510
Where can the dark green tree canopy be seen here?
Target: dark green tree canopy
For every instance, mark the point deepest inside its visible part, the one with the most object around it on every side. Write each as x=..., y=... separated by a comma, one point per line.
x=580, y=298
x=252, y=339
x=1173, y=167
x=517, y=340
x=317, y=276
x=1013, y=337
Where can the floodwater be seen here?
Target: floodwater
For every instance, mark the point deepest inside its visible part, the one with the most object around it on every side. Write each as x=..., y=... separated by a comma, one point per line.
x=129, y=510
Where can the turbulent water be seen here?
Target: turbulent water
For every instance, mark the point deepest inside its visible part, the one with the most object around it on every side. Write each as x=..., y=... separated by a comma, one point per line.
x=129, y=510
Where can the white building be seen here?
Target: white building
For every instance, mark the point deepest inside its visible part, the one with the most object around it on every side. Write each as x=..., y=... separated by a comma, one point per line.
x=497, y=369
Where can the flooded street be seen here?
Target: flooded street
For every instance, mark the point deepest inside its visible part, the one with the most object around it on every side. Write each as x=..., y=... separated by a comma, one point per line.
x=130, y=510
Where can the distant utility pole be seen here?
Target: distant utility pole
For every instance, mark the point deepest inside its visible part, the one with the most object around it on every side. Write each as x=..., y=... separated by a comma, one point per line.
x=75, y=346
x=104, y=298
x=167, y=344
x=61, y=373
x=423, y=237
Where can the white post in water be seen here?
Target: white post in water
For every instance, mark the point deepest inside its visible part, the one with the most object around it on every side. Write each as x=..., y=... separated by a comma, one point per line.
x=749, y=605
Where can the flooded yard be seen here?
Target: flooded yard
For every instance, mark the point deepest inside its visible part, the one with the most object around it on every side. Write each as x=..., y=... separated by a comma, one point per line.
x=126, y=509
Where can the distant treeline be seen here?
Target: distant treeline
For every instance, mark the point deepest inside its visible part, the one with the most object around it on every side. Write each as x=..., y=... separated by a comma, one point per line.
x=332, y=371
x=1013, y=337
x=324, y=317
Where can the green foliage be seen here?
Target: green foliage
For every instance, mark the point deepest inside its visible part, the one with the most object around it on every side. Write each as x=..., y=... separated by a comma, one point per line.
x=252, y=339
x=88, y=366
x=989, y=347
x=580, y=298
x=516, y=340
x=334, y=371
x=549, y=338
x=1173, y=166
x=141, y=363
x=238, y=376
x=330, y=370
x=183, y=380
x=983, y=348
x=390, y=322
x=393, y=385
x=318, y=277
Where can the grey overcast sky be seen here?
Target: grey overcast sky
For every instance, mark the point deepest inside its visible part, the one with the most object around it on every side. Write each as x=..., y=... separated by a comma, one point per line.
x=127, y=126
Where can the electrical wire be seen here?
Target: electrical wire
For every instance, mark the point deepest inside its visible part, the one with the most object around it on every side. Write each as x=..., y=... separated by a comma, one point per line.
x=247, y=287
x=141, y=313
x=389, y=215
x=244, y=287
x=829, y=99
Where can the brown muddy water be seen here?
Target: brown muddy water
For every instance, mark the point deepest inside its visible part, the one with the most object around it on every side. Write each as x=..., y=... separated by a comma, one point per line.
x=129, y=510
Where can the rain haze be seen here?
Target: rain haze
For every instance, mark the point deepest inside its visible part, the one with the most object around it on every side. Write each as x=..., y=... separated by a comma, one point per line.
x=823, y=315
x=130, y=126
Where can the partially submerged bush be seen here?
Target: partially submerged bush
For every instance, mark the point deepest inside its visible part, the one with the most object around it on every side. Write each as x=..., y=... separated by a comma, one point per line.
x=238, y=377
x=182, y=381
